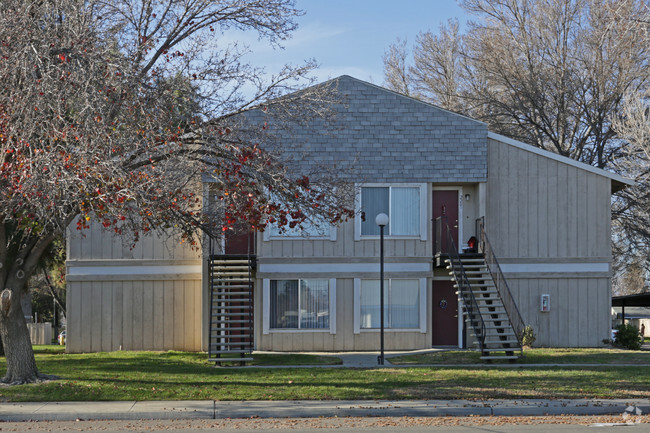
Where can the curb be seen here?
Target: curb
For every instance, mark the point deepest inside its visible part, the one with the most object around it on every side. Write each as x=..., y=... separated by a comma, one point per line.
x=132, y=410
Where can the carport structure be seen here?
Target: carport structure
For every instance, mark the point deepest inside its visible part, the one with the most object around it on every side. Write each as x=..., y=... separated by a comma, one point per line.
x=636, y=300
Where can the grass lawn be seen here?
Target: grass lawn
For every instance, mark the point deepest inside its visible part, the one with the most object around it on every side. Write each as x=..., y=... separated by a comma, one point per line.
x=534, y=356
x=187, y=376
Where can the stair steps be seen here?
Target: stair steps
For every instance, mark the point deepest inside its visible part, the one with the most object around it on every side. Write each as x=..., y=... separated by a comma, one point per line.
x=231, y=309
x=479, y=292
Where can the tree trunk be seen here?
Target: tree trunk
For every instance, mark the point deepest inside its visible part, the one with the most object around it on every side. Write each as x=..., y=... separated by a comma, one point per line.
x=21, y=365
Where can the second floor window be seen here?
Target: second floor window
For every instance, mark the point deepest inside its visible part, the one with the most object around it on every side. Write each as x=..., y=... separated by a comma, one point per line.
x=305, y=230
x=401, y=204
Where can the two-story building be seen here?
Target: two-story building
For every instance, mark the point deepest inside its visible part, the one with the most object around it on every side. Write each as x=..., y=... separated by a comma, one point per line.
x=440, y=177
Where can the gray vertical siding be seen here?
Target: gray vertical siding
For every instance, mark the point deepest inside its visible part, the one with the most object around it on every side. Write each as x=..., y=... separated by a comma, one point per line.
x=344, y=246
x=538, y=207
x=579, y=314
x=133, y=298
x=134, y=315
x=542, y=211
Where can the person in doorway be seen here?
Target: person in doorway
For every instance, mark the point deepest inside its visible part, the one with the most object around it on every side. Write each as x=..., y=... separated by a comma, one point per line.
x=642, y=330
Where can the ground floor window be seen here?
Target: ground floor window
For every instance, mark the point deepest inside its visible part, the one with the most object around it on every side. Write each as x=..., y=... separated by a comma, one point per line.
x=299, y=304
x=401, y=304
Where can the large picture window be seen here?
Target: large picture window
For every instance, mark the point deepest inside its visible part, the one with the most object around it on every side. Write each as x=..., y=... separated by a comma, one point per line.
x=401, y=304
x=401, y=204
x=299, y=304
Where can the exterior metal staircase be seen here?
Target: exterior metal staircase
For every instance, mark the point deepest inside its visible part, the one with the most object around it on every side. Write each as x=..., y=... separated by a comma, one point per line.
x=231, y=308
x=488, y=318
x=489, y=309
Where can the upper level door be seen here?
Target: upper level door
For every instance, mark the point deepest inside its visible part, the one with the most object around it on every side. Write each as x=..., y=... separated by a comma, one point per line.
x=240, y=243
x=445, y=203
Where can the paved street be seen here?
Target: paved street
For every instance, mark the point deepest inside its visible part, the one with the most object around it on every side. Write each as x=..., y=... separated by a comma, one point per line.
x=351, y=424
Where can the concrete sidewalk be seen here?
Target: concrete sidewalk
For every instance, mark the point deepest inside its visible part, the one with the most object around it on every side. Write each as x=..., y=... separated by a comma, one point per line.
x=131, y=410
x=370, y=360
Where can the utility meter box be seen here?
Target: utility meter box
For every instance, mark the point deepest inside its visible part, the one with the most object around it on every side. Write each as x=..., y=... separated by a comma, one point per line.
x=545, y=304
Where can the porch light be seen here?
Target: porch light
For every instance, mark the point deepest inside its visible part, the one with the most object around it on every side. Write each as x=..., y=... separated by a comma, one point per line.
x=382, y=221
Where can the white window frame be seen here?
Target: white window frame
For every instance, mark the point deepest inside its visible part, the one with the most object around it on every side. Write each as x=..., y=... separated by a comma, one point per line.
x=266, y=235
x=266, y=308
x=424, y=226
x=422, y=307
x=288, y=236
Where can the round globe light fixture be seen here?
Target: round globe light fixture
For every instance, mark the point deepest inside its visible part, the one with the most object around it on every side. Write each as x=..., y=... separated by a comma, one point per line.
x=381, y=220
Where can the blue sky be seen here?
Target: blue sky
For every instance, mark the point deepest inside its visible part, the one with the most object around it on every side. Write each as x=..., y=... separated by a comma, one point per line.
x=350, y=36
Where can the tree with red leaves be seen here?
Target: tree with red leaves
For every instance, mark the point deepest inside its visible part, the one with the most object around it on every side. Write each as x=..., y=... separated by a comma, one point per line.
x=117, y=111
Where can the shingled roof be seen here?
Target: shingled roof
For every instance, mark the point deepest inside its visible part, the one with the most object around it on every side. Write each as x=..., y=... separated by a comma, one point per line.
x=383, y=136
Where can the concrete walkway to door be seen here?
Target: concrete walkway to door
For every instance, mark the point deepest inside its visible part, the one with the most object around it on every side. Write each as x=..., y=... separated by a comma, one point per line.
x=361, y=359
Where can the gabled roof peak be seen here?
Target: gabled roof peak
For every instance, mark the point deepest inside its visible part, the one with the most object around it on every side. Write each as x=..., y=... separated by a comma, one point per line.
x=400, y=95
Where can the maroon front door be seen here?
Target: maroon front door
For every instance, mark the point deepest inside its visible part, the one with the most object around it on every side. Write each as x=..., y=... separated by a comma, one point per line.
x=240, y=243
x=445, y=203
x=445, y=314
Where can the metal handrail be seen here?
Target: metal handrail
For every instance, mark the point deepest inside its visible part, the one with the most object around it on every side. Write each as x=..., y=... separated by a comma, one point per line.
x=210, y=270
x=500, y=283
x=251, y=262
x=464, y=286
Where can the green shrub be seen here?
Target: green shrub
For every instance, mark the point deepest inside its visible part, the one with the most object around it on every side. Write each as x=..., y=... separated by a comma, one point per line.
x=528, y=336
x=628, y=337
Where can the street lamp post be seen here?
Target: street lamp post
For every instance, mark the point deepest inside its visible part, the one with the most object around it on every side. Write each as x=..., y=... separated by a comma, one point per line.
x=382, y=221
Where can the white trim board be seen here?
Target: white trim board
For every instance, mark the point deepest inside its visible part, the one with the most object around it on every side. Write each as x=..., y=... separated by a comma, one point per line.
x=134, y=270
x=514, y=268
x=341, y=267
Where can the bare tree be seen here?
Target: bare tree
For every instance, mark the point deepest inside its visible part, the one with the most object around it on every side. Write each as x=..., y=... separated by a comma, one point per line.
x=632, y=207
x=550, y=73
x=396, y=74
x=116, y=111
x=631, y=281
x=437, y=70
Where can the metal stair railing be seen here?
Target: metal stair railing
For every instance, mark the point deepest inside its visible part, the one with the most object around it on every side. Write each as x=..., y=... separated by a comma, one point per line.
x=500, y=283
x=211, y=304
x=464, y=286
